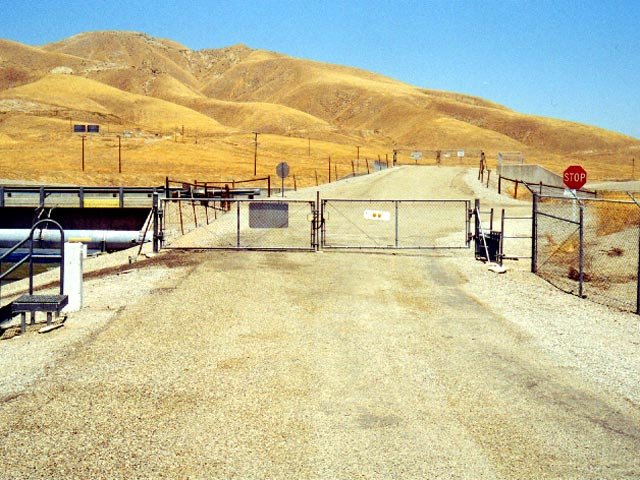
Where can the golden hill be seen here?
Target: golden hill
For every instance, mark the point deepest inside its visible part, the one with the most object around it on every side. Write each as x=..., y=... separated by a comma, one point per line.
x=192, y=113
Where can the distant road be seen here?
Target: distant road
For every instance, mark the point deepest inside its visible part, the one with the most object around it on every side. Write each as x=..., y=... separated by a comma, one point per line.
x=335, y=365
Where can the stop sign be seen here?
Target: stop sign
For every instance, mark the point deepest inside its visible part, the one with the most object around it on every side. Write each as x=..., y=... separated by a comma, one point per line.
x=574, y=177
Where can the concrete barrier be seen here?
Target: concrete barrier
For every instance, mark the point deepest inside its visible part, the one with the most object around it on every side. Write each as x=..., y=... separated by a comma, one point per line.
x=73, y=253
x=532, y=174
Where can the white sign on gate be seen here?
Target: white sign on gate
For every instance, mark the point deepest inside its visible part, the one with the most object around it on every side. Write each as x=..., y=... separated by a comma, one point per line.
x=378, y=215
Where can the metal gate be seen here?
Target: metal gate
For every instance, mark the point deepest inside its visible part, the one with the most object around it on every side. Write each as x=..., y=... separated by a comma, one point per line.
x=395, y=224
x=237, y=224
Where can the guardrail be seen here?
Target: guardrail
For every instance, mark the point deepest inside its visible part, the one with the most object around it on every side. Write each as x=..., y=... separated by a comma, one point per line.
x=30, y=256
x=542, y=188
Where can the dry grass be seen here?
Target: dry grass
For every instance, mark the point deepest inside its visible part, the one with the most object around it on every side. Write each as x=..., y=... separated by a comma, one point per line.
x=615, y=217
x=128, y=81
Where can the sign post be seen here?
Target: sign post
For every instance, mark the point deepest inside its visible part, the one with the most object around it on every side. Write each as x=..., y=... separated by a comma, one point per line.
x=282, y=170
x=574, y=177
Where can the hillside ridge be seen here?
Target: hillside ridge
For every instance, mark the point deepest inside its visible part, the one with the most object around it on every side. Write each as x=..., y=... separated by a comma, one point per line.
x=236, y=90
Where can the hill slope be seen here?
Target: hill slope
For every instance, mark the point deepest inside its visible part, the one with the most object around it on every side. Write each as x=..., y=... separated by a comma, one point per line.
x=157, y=85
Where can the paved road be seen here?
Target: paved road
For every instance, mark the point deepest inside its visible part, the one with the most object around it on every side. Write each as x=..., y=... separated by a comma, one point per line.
x=323, y=366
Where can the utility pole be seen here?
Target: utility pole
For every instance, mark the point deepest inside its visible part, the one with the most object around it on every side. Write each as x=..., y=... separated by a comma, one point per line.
x=255, y=153
x=119, y=155
x=83, y=137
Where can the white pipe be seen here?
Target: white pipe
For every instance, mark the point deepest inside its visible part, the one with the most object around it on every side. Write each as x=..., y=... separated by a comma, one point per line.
x=104, y=239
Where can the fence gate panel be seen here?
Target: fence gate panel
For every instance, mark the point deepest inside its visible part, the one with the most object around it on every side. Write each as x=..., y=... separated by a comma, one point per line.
x=238, y=224
x=589, y=247
x=557, y=243
x=395, y=224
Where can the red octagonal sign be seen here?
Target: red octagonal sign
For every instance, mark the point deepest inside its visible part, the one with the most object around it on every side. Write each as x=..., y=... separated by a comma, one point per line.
x=574, y=177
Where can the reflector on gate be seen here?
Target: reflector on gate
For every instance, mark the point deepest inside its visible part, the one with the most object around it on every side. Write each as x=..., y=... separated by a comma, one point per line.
x=380, y=215
x=268, y=215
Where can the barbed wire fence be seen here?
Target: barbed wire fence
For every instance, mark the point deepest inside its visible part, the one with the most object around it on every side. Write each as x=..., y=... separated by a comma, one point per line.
x=589, y=247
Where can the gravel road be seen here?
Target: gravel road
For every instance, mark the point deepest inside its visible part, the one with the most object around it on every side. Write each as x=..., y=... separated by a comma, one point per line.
x=331, y=365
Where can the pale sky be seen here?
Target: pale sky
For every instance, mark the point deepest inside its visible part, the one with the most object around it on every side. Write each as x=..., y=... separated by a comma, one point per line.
x=574, y=60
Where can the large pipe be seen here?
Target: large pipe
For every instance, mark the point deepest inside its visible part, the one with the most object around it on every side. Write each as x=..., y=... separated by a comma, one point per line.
x=103, y=240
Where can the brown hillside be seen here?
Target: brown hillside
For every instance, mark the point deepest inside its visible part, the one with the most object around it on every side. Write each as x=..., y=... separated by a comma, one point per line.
x=213, y=99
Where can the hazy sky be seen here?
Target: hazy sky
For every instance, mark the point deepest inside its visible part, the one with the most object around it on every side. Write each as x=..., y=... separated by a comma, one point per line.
x=575, y=60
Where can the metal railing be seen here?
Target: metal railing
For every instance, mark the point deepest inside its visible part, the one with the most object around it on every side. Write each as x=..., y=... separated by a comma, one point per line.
x=30, y=256
x=395, y=224
x=237, y=224
x=542, y=188
x=505, y=236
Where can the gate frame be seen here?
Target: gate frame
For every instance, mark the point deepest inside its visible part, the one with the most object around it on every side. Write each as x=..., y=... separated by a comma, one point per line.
x=322, y=243
x=159, y=219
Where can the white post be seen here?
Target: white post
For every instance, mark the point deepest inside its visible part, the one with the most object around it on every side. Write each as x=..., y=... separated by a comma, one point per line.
x=73, y=275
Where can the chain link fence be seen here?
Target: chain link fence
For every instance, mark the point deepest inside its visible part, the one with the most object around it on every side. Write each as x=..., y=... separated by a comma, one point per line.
x=402, y=224
x=589, y=247
x=238, y=224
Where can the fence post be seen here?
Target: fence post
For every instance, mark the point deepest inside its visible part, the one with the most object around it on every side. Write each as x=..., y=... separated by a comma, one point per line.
x=515, y=190
x=316, y=221
x=501, y=247
x=367, y=160
x=534, y=234
x=499, y=184
x=166, y=187
x=237, y=224
x=396, y=202
x=476, y=211
x=269, y=186
x=581, y=252
x=155, y=222
x=638, y=279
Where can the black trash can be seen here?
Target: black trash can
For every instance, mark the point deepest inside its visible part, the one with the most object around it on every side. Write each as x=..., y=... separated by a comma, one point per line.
x=492, y=240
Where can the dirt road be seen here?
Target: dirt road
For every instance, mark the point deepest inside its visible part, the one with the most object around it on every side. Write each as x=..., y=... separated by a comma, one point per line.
x=324, y=366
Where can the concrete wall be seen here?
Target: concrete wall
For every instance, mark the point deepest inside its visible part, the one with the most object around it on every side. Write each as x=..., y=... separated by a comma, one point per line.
x=531, y=174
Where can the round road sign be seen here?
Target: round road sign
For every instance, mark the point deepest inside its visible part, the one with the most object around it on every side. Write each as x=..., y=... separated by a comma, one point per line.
x=282, y=170
x=574, y=177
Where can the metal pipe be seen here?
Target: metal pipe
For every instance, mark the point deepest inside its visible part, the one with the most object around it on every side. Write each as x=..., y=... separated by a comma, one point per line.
x=534, y=234
x=396, y=226
x=238, y=224
x=502, y=237
x=581, y=253
x=638, y=280
x=112, y=239
x=156, y=226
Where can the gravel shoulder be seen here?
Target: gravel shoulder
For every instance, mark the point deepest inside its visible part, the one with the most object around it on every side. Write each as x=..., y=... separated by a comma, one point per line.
x=328, y=365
